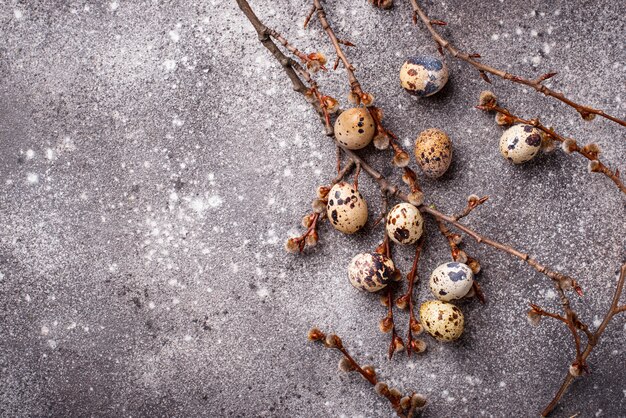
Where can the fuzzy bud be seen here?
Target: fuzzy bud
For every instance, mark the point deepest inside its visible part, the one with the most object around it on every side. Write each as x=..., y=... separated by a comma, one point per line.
x=322, y=192
x=592, y=149
x=292, y=245
x=316, y=335
x=534, y=317
x=367, y=99
x=593, y=166
x=312, y=239
x=461, y=257
x=487, y=98
x=418, y=400
x=401, y=159
x=587, y=116
x=419, y=346
x=405, y=403
x=381, y=141
x=369, y=371
x=333, y=341
x=346, y=365
x=575, y=370
x=398, y=344
x=397, y=275
x=384, y=301
x=319, y=205
x=416, y=198
x=473, y=199
x=385, y=325
x=474, y=265
x=569, y=145
x=402, y=302
x=503, y=120
x=331, y=104
x=381, y=388
x=307, y=220
x=456, y=239
x=566, y=284
x=395, y=393
x=416, y=327
x=547, y=143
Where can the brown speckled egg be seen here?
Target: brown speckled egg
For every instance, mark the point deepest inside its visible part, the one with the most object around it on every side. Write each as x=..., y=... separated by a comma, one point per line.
x=404, y=223
x=346, y=209
x=433, y=152
x=354, y=128
x=442, y=320
x=423, y=76
x=370, y=272
x=520, y=143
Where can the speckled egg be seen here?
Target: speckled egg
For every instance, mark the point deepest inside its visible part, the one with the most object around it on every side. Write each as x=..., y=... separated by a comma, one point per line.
x=346, y=208
x=442, y=320
x=404, y=224
x=520, y=143
x=423, y=75
x=433, y=152
x=354, y=128
x=370, y=272
x=451, y=281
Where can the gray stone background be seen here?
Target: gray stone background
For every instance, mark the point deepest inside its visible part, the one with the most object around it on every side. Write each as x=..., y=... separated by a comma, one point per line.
x=153, y=159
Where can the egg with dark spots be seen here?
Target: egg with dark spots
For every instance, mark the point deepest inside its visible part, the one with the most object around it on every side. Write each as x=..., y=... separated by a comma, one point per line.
x=442, y=320
x=371, y=271
x=433, y=152
x=423, y=76
x=346, y=208
x=520, y=143
x=404, y=224
x=451, y=281
x=354, y=128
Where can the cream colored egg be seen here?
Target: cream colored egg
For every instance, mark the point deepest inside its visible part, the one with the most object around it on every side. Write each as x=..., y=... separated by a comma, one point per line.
x=442, y=320
x=404, y=224
x=433, y=152
x=354, y=128
x=371, y=272
x=346, y=208
x=451, y=281
x=520, y=143
x=423, y=75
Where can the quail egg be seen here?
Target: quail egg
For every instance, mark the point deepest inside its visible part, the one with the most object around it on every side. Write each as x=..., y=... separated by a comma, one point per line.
x=404, y=223
x=520, y=143
x=433, y=152
x=370, y=272
x=442, y=320
x=354, y=128
x=423, y=75
x=346, y=208
x=451, y=281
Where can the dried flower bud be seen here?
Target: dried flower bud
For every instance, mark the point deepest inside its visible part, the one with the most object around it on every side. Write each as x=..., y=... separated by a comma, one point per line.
x=331, y=104
x=587, y=116
x=419, y=346
x=487, y=98
x=566, y=284
x=534, y=317
x=385, y=325
x=402, y=302
x=395, y=393
x=384, y=301
x=353, y=98
x=346, y=365
x=398, y=344
x=418, y=400
x=319, y=205
x=592, y=149
x=383, y=4
x=593, y=166
x=322, y=192
x=456, y=239
x=367, y=99
x=381, y=141
x=416, y=327
x=474, y=265
x=416, y=198
x=401, y=159
x=381, y=388
x=333, y=341
x=369, y=371
x=569, y=145
x=405, y=403
x=307, y=220
x=316, y=335
x=503, y=120
x=312, y=239
x=575, y=370
x=292, y=245
x=315, y=61
x=461, y=257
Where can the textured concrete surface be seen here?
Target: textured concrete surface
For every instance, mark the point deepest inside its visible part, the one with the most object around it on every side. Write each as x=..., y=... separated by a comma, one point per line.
x=153, y=159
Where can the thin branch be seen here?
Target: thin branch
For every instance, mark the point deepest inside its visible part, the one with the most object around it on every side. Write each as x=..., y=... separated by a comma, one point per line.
x=569, y=145
x=586, y=112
